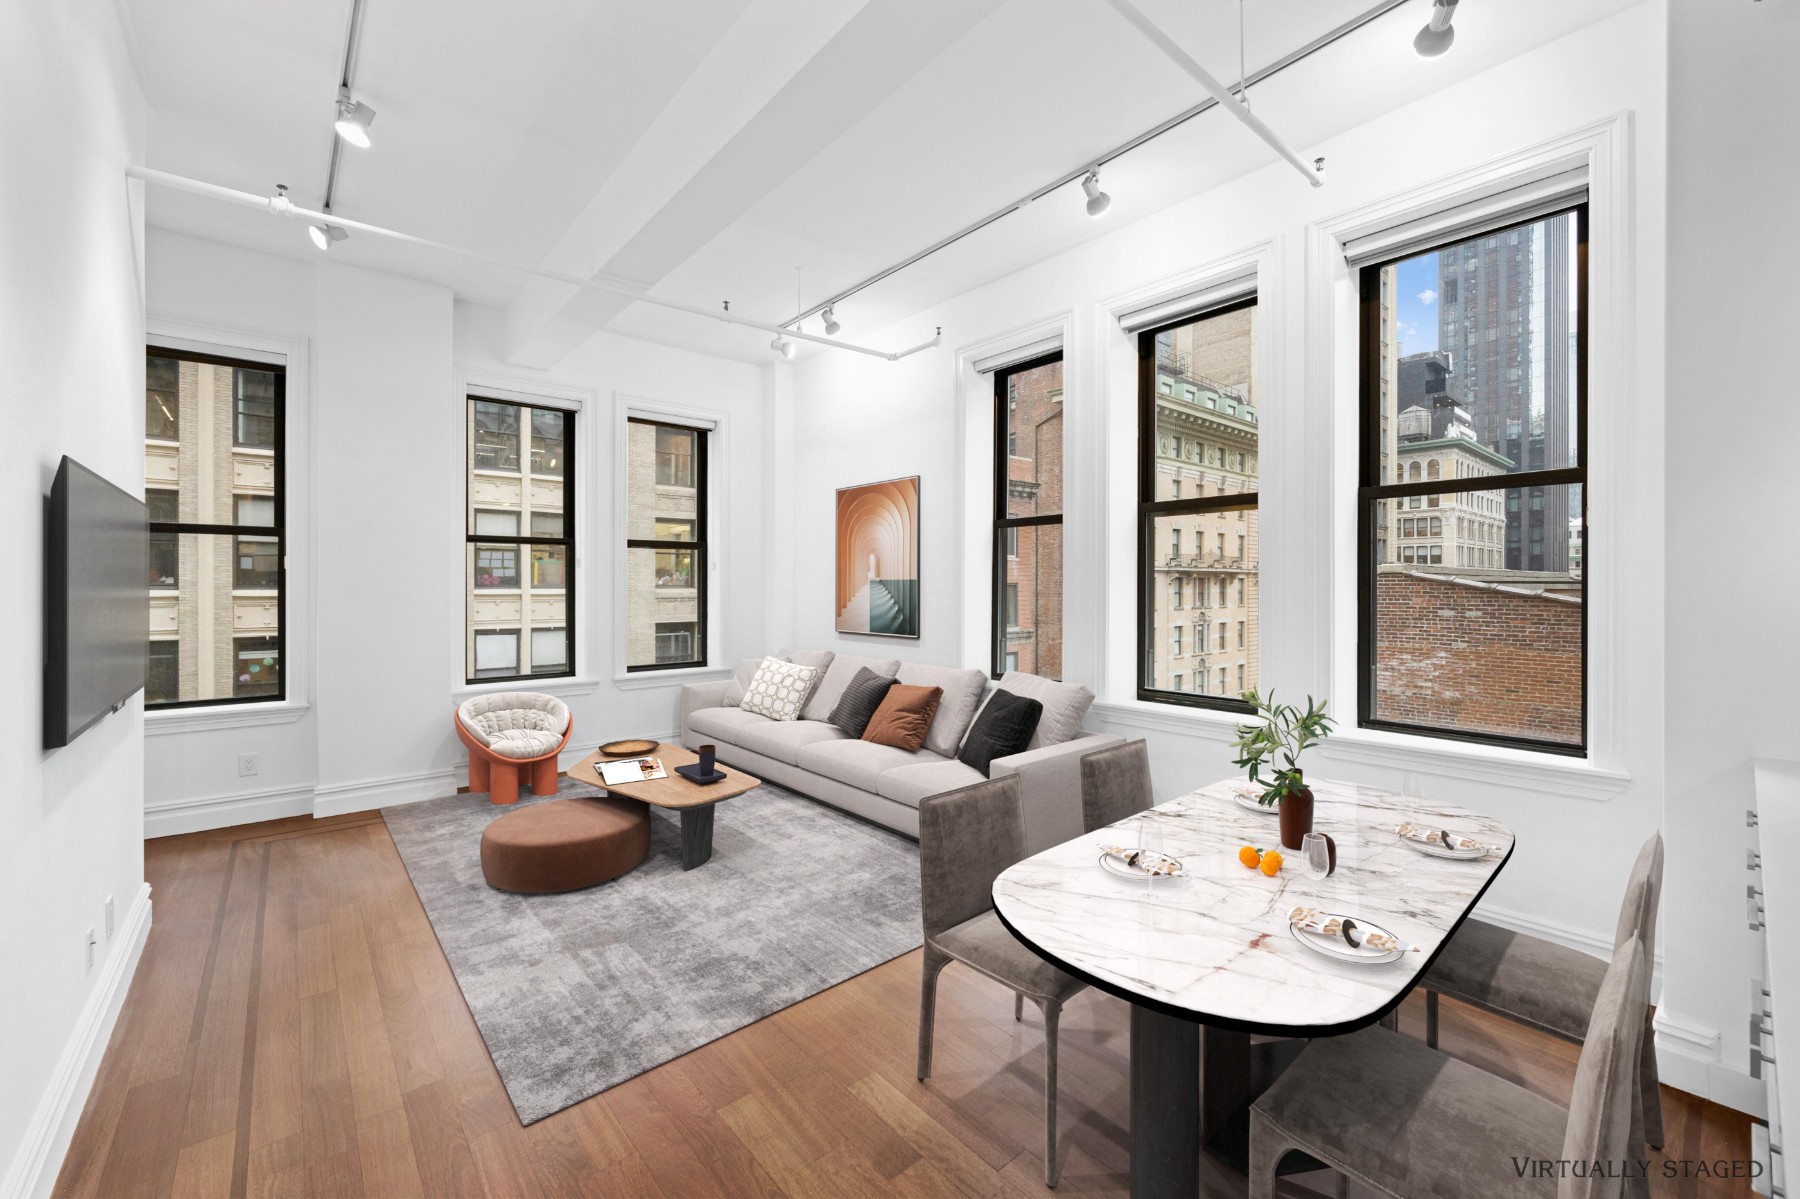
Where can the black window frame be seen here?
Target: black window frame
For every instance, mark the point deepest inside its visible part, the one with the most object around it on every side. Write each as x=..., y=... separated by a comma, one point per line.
x=521, y=541
x=1006, y=527
x=1150, y=509
x=278, y=458
x=1371, y=491
x=701, y=475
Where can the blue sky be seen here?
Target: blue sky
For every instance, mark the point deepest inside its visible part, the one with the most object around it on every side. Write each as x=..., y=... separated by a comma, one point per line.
x=1417, y=287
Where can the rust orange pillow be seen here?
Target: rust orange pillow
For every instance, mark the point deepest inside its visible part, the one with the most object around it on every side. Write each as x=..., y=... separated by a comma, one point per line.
x=904, y=717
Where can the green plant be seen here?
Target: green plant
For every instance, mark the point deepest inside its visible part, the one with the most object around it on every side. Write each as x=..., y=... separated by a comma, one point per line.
x=1283, y=733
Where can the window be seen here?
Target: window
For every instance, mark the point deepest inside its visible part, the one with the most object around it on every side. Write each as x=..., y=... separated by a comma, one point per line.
x=1210, y=356
x=1175, y=641
x=1506, y=439
x=665, y=545
x=216, y=582
x=520, y=539
x=1175, y=592
x=1028, y=495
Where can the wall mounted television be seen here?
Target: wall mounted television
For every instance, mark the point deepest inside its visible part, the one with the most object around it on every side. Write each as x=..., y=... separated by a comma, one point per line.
x=96, y=616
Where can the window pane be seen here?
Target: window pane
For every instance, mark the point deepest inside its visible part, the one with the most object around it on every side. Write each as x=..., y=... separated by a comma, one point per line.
x=1207, y=414
x=217, y=468
x=162, y=399
x=1464, y=641
x=675, y=642
x=254, y=423
x=546, y=442
x=549, y=567
x=495, y=565
x=1203, y=603
x=660, y=597
x=500, y=524
x=201, y=617
x=544, y=524
x=494, y=439
x=662, y=495
x=1478, y=370
x=549, y=650
x=1034, y=441
x=496, y=653
x=257, y=565
x=1032, y=612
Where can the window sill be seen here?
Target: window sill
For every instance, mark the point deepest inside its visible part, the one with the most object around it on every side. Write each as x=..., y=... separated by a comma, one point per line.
x=644, y=680
x=224, y=716
x=559, y=685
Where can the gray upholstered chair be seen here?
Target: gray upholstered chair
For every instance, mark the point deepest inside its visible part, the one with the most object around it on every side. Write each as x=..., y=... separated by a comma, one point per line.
x=1408, y=1120
x=1115, y=783
x=966, y=838
x=1546, y=986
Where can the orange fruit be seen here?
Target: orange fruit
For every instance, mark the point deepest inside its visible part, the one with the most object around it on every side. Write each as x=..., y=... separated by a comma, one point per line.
x=1271, y=862
x=1249, y=857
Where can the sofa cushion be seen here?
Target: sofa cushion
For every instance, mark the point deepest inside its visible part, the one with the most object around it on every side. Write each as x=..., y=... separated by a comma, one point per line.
x=904, y=716
x=726, y=724
x=784, y=739
x=820, y=658
x=861, y=698
x=858, y=764
x=740, y=681
x=921, y=780
x=1065, y=705
x=962, y=695
x=843, y=668
x=780, y=688
x=1004, y=728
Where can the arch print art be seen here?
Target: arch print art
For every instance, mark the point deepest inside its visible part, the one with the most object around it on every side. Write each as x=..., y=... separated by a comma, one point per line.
x=878, y=559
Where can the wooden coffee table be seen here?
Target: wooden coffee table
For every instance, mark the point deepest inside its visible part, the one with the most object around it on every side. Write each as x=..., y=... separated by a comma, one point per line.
x=693, y=800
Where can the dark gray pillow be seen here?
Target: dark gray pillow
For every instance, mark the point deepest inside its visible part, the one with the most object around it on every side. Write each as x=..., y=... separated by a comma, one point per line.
x=1004, y=728
x=862, y=695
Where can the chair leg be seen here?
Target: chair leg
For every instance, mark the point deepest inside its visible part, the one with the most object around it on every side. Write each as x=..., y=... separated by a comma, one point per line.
x=1267, y=1148
x=1052, y=1167
x=1018, y=1006
x=478, y=772
x=1391, y=1021
x=1342, y=1187
x=1651, y=1089
x=505, y=784
x=1431, y=1018
x=928, y=980
x=543, y=777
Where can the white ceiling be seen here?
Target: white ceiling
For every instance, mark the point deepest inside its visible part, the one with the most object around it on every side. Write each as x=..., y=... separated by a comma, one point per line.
x=704, y=149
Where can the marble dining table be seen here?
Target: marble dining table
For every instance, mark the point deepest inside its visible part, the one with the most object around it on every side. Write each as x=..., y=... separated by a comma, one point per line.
x=1208, y=959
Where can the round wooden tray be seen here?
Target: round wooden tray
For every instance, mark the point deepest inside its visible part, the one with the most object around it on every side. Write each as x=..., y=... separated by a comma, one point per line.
x=627, y=748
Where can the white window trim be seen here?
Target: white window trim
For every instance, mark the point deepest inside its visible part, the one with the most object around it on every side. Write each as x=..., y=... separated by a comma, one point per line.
x=295, y=355
x=581, y=402
x=717, y=426
x=1604, y=149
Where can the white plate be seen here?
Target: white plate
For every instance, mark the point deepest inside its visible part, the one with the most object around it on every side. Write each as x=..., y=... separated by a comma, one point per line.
x=1468, y=850
x=1116, y=865
x=1249, y=799
x=1340, y=950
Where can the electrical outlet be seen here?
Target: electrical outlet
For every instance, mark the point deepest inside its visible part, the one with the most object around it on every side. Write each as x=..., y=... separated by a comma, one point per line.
x=109, y=916
x=246, y=765
x=91, y=942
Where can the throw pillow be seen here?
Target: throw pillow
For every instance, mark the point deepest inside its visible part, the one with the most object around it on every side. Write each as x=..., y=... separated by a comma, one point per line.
x=740, y=682
x=904, y=716
x=1004, y=728
x=779, y=689
x=860, y=699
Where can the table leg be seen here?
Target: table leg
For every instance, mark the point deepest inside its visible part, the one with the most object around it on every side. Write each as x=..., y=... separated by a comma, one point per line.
x=1165, y=1106
x=696, y=836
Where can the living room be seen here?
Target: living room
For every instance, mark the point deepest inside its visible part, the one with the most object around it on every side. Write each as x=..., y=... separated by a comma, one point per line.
x=991, y=435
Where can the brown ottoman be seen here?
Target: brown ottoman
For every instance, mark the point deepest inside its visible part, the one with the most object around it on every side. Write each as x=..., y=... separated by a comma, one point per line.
x=565, y=844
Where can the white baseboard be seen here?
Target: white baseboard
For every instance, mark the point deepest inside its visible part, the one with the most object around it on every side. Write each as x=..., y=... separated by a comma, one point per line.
x=342, y=798
x=33, y=1171
x=1689, y=1058
x=222, y=811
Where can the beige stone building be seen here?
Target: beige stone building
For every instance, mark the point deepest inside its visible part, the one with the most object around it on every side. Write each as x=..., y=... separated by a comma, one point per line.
x=663, y=580
x=518, y=587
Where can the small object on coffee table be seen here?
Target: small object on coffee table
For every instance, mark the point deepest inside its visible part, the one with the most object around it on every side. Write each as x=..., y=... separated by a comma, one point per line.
x=702, y=772
x=632, y=748
x=678, y=794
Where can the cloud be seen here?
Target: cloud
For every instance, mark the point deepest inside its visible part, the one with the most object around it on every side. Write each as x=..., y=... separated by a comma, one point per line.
x=1428, y=297
x=1409, y=330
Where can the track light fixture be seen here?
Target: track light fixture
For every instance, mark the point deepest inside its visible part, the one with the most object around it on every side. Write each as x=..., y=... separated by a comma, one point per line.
x=831, y=322
x=1437, y=35
x=354, y=119
x=325, y=233
x=784, y=347
x=1098, y=201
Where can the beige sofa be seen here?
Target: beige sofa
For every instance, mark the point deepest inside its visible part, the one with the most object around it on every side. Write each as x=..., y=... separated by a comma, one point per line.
x=886, y=784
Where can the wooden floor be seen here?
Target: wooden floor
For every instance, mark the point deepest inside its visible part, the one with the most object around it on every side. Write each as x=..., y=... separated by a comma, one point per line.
x=294, y=1029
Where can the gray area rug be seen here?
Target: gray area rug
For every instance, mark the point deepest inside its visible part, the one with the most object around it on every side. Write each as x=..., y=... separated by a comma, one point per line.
x=578, y=992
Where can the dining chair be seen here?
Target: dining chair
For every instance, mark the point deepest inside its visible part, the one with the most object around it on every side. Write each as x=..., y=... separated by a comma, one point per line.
x=1407, y=1120
x=966, y=838
x=1115, y=783
x=1546, y=986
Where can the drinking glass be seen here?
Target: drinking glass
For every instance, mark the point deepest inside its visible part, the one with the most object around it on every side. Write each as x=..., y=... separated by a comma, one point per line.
x=1150, y=839
x=1315, y=852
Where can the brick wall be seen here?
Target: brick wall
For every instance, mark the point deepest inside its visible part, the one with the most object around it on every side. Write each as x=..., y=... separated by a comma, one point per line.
x=1450, y=655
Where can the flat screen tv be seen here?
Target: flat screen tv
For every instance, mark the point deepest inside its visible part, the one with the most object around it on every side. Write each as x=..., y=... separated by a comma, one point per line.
x=96, y=614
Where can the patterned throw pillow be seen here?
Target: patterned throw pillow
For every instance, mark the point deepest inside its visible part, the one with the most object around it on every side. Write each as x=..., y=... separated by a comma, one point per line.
x=779, y=689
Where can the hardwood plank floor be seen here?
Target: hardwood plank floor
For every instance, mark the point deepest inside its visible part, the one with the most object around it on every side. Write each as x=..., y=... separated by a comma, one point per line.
x=294, y=1029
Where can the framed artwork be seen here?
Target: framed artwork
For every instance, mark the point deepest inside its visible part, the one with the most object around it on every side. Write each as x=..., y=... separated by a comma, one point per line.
x=878, y=559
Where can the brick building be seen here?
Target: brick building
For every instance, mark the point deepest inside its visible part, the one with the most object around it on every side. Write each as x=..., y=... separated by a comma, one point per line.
x=1033, y=585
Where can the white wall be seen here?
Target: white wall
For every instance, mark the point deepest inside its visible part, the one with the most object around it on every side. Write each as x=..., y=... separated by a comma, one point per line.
x=71, y=334
x=857, y=420
x=1733, y=258
x=375, y=606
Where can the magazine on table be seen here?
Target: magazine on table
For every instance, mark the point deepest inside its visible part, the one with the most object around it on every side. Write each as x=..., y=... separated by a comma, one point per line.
x=632, y=770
